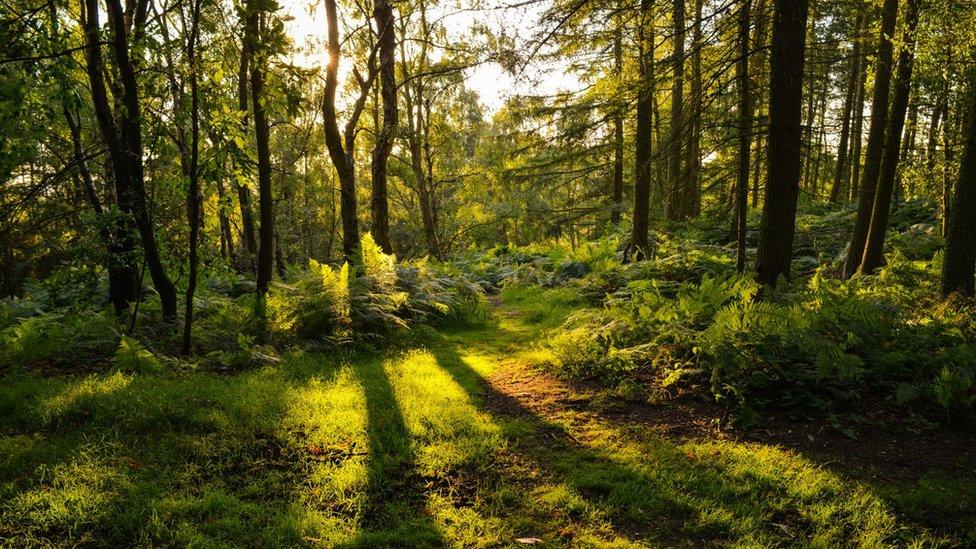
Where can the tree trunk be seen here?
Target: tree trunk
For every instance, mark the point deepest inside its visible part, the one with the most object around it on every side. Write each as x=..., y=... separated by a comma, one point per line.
x=745, y=134
x=385, y=30
x=676, y=207
x=876, y=134
x=123, y=275
x=873, y=256
x=759, y=47
x=842, y=170
x=124, y=142
x=856, y=131
x=693, y=162
x=643, y=169
x=193, y=196
x=248, y=237
x=617, y=193
x=783, y=172
x=959, y=264
x=262, y=135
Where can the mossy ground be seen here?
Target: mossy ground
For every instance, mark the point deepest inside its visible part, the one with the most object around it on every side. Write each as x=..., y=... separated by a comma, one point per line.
x=415, y=447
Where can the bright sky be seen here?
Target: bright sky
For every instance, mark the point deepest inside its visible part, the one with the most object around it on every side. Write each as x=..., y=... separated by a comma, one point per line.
x=492, y=83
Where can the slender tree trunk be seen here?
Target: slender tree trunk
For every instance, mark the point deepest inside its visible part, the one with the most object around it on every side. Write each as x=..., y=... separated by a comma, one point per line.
x=933, y=134
x=876, y=134
x=193, y=197
x=959, y=264
x=262, y=134
x=745, y=134
x=759, y=47
x=783, y=173
x=873, y=256
x=907, y=152
x=856, y=131
x=643, y=168
x=842, y=169
x=617, y=193
x=676, y=208
x=693, y=184
x=385, y=30
x=248, y=237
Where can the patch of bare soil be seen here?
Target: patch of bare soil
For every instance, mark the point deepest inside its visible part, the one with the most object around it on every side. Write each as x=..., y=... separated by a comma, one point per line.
x=885, y=446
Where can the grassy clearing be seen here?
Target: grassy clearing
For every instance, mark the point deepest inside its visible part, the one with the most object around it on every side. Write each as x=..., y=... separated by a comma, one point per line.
x=418, y=448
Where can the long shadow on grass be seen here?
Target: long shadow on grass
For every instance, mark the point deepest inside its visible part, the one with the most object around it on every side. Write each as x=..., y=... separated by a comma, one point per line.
x=393, y=512
x=155, y=459
x=675, y=497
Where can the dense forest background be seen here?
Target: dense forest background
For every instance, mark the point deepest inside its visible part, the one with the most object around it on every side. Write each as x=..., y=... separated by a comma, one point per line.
x=755, y=215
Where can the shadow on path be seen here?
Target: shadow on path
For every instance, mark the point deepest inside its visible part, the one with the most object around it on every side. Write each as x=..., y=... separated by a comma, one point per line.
x=394, y=510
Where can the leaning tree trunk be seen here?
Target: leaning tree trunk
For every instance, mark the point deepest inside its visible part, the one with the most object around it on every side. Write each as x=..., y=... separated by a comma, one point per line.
x=783, y=159
x=876, y=134
x=745, y=133
x=383, y=15
x=959, y=264
x=873, y=256
x=642, y=139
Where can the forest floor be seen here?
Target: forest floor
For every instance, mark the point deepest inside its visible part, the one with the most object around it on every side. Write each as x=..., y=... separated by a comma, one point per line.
x=459, y=438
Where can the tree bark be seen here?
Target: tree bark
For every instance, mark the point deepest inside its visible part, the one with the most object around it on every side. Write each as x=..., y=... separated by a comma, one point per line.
x=676, y=196
x=617, y=192
x=341, y=147
x=194, y=197
x=876, y=134
x=643, y=169
x=248, y=236
x=959, y=264
x=262, y=135
x=842, y=169
x=123, y=136
x=693, y=162
x=385, y=30
x=783, y=172
x=745, y=134
x=873, y=256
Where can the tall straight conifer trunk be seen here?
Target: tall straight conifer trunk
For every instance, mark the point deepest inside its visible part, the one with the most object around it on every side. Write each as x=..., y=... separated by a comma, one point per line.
x=783, y=158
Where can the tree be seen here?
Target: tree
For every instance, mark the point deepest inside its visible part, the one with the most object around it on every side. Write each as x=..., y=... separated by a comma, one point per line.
x=676, y=178
x=784, y=136
x=642, y=139
x=873, y=256
x=876, y=134
x=194, y=196
x=341, y=147
x=122, y=133
x=385, y=31
x=745, y=134
x=262, y=132
x=959, y=264
x=842, y=169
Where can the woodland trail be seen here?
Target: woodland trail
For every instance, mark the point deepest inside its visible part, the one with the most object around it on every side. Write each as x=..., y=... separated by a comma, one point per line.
x=461, y=437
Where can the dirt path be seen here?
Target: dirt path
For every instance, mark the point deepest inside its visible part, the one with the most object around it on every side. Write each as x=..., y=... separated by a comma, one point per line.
x=886, y=446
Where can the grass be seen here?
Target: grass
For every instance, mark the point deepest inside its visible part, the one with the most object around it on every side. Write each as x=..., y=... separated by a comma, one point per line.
x=414, y=447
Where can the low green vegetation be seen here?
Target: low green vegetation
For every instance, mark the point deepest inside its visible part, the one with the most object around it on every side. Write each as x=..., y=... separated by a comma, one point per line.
x=411, y=404
x=410, y=447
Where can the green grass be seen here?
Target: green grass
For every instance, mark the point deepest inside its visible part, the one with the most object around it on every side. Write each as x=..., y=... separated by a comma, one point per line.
x=411, y=448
